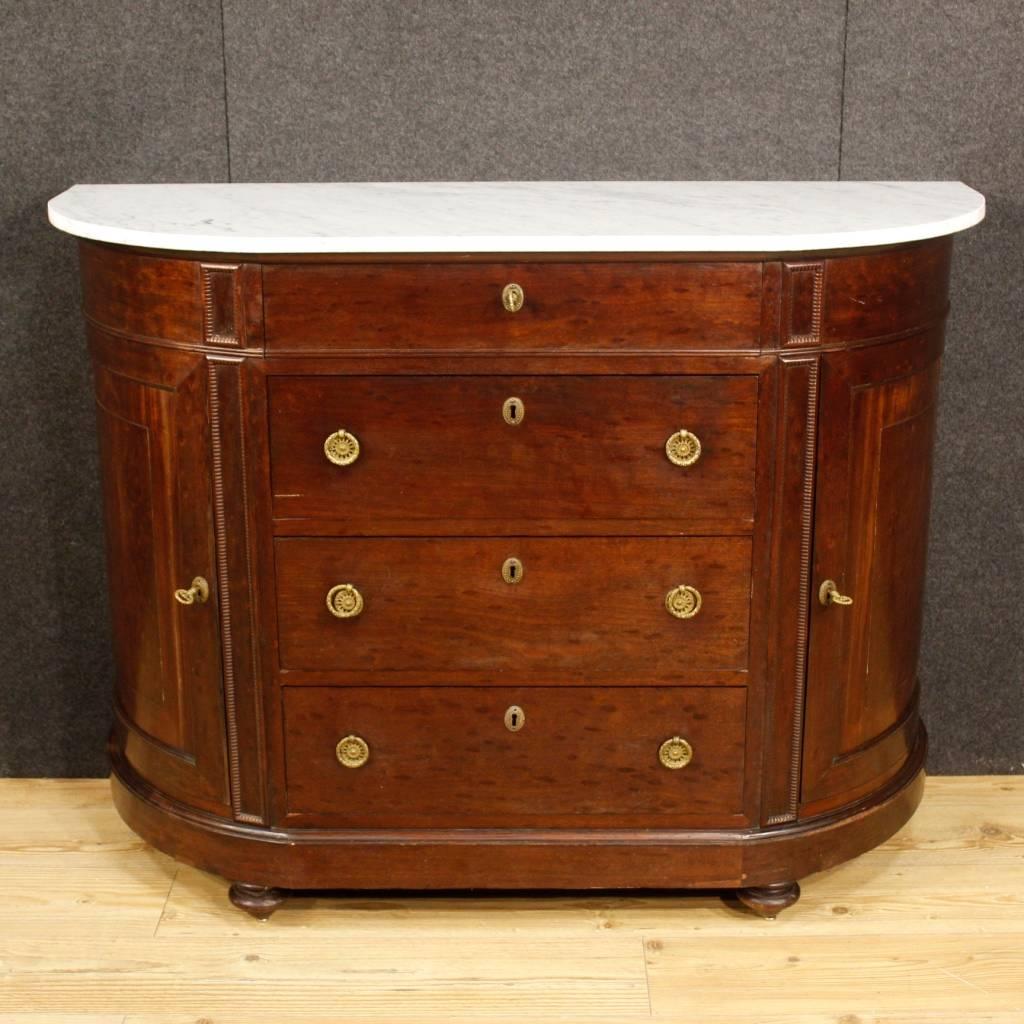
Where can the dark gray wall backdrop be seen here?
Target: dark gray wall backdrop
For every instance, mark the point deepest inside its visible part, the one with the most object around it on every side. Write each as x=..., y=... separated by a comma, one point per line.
x=165, y=90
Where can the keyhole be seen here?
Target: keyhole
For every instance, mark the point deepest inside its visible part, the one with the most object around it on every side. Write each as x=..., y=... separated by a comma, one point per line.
x=513, y=411
x=515, y=718
x=512, y=571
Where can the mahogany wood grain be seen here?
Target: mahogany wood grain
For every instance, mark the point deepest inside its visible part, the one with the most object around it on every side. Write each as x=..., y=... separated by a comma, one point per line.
x=582, y=448
x=297, y=858
x=517, y=364
x=587, y=608
x=582, y=757
x=886, y=293
x=154, y=452
x=811, y=380
x=789, y=589
x=874, y=485
x=170, y=300
x=142, y=296
x=236, y=540
x=567, y=306
x=679, y=303
x=470, y=258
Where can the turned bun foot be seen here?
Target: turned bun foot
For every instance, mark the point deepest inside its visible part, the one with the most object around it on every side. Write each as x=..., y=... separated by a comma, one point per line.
x=769, y=900
x=259, y=900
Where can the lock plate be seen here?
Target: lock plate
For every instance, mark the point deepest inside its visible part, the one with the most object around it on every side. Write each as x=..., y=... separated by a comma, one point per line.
x=512, y=296
x=513, y=411
x=515, y=718
x=512, y=571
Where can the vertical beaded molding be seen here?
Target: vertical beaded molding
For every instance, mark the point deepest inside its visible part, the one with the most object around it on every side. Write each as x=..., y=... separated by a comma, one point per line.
x=804, y=611
x=801, y=476
x=224, y=593
x=224, y=325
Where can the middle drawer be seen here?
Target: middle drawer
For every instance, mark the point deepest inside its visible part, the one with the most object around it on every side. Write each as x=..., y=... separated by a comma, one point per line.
x=567, y=610
x=376, y=454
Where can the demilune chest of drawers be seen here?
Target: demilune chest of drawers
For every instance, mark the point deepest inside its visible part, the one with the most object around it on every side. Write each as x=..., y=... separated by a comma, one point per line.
x=516, y=535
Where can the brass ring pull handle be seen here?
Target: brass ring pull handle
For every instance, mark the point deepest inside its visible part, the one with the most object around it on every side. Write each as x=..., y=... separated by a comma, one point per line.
x=675, y=753
x=828, y=593
x=341, y=448
x=683, y=448
x=683, y=601
x=512, y=297
x=199, y=592
x=352, y=751
x=344, y=601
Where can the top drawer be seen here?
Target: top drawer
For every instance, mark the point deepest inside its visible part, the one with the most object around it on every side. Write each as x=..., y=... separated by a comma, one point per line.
x=564, y=306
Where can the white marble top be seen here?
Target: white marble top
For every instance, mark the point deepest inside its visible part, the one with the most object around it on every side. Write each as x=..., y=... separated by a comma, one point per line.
x=511, y=217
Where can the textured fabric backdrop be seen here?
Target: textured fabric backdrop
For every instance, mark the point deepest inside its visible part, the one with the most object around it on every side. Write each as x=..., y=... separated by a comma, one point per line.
x=165, y=90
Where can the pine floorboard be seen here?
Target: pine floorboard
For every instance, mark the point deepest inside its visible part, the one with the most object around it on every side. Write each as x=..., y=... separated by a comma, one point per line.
x=98, y=928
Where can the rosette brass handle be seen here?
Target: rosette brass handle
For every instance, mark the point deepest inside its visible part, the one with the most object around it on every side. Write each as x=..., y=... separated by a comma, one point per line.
x=197, y=593
x=344, y=601
x=683, y=601
x=352, y=751
x=675, y=753
x=341, y=448
x=828, y=593
x=683, y=448
x=512, y=297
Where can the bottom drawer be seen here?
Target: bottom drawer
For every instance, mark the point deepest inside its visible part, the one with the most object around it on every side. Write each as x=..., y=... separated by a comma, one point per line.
x=514, y=757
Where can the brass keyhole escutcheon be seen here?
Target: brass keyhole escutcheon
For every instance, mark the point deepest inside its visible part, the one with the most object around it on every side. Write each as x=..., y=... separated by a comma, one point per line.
x=675, y=753
x=513, y=411
x=683, y=448
x=344, y=601
x=341, y=448
x=683, y=601
x=352, y=751
x=512, y=297
x=515, y=718
x=512, y=571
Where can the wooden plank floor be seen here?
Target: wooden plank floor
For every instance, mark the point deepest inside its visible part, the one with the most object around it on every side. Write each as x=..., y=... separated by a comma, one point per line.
x=97, y=928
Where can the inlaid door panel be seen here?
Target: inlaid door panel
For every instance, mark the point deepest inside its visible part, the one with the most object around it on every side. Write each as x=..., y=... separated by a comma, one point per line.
x=877, y=419
x=154, y=453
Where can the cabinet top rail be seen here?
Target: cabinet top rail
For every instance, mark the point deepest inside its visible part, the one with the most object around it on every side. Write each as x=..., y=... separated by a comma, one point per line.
x=518, y=217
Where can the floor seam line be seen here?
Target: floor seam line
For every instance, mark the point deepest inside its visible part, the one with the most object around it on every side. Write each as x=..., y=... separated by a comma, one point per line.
x=647, y=975
x=167, y=900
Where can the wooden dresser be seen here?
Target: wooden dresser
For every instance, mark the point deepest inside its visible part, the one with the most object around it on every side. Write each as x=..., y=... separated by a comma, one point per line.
x=516, y=535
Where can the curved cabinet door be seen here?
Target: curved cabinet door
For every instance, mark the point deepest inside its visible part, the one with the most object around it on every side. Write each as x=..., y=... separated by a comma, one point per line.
x=154, y=452
x=877, y=416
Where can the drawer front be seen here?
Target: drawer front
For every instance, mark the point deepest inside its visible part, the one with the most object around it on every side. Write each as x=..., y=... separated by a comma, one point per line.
x=444, y=757
x=529, y=449
x=580, y=609
x=565, y=306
